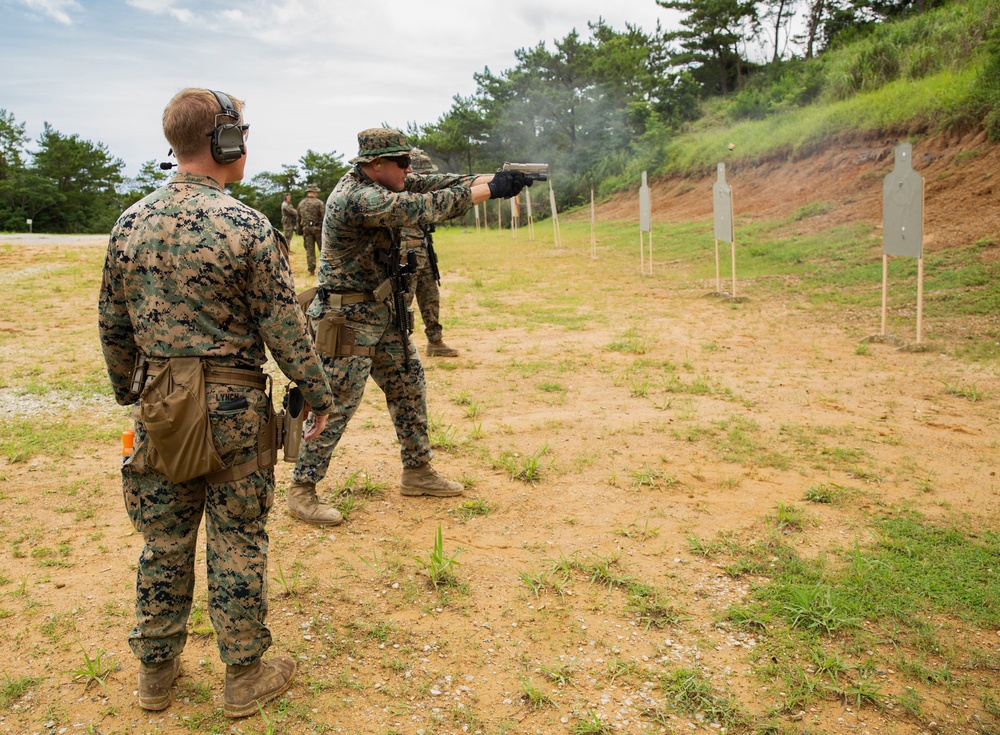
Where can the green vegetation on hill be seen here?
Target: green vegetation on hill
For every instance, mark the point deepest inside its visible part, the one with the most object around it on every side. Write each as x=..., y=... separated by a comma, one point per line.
x=925, y=73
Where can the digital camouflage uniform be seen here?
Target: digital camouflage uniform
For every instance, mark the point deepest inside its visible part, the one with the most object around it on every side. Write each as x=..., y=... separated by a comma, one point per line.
x=190, y=271
x=311, y=225
x=359, y=215
x=289, y=219
x=425, y=286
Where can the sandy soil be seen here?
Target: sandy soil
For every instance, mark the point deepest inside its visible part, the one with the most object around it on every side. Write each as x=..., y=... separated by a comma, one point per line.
x=629, y=474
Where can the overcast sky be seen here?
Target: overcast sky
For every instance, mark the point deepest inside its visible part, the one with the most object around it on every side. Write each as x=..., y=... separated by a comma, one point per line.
x=313, y=72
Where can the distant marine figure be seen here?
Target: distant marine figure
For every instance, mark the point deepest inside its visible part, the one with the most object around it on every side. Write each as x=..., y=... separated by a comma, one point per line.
x=289, y=217
x=311, y=225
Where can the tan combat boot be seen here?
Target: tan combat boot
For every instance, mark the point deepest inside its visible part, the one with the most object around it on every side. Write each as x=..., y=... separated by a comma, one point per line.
x=155, y=681
x=440, y=349
x=423, y=480
x=304, y=505
x=248, y=687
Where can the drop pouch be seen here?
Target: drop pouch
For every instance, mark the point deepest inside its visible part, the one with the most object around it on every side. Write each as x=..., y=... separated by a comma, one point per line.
x=174, y=413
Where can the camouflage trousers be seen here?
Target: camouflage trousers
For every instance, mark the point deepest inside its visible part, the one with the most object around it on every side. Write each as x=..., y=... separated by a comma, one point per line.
x=425, y=288
x=405, y=396
x=312, y=238
x=288, y=230
x=168, y=515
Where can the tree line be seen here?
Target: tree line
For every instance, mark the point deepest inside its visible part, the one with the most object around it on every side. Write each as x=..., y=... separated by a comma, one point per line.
x=70, y=185
x=585, y=106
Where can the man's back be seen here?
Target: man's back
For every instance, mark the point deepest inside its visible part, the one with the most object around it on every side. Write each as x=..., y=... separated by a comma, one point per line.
x=183, y=260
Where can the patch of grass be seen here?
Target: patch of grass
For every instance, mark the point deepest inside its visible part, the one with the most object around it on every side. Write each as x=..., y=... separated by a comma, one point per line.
x=619, y=668
x=443, y=437
x=440, y=566
x=629, y=342
x=634, y=531
x=971, y=393
x=592, y=724
x=13, y=689
x=816, y=608
x=787, y=518
x=526, y=468
x=534, y=696
x=560, y=674
x=361, y=484
x=94, y=670
x=650, y=610
x=688, y=692
x=646, y=476
x=829, y=493
x=473, y=508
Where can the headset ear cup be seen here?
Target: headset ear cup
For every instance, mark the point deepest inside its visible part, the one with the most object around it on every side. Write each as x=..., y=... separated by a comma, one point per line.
x=227, y=144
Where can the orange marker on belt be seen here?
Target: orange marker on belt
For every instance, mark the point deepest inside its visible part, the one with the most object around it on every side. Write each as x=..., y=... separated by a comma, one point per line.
x=128, y=441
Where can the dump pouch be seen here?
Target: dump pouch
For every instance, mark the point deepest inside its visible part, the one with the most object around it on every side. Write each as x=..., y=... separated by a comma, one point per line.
x=174, y=412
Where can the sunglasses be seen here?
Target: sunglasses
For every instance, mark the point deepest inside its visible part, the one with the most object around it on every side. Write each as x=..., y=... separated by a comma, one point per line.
x=402, y=161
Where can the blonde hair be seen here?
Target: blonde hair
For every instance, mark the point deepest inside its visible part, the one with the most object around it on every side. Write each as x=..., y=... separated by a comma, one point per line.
x=189, y=119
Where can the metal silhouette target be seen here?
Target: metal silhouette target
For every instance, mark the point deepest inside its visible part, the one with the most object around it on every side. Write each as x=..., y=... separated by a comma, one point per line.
x=903, y=207
x=722, y=197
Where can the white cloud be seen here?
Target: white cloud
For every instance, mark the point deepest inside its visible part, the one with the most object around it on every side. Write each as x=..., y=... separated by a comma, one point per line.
x=58, y=10
x=164, y=7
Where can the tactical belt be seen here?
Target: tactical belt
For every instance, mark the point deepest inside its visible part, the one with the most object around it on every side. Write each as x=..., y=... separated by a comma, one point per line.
x=221, y=375
x=348, y=350
x=232, y=474
x=337, y=300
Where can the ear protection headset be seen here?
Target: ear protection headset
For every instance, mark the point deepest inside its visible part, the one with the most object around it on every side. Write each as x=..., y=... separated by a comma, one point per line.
x=227, y=138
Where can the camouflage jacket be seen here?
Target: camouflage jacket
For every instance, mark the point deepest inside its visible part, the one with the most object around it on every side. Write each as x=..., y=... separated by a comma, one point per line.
x=192, y=271
x=360, y=214
x=288, y=215
x=311, y=210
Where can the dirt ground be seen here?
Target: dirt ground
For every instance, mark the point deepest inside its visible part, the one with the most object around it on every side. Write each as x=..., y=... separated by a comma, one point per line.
x=624, y=476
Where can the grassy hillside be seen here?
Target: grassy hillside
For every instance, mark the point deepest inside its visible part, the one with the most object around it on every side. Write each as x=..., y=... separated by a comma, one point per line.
x=928, y=73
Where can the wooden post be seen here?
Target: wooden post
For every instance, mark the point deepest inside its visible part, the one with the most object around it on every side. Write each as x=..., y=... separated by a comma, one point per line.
x=734, y=265
x=593, y=228
x=718, y=279
x=645, y=224
x=920, y=295
x=531, y=220
x=885, y=290
x=555, y=216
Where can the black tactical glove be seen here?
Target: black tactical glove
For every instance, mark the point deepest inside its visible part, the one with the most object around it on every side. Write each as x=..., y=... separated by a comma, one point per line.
x=507, y=184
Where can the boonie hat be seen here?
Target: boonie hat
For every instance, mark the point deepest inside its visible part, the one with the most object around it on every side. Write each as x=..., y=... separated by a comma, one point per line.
x=380, y=143
x=420, y=162
x=312, y=187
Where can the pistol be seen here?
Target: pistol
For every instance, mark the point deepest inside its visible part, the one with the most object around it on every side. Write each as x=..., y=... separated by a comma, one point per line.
x=531, y=171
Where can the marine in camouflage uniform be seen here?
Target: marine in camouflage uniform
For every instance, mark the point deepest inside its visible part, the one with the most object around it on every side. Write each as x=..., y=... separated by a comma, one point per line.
x=190, y=271
x=289, y=218
x=425, y=282
x=311, y=225
x=364, y=215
